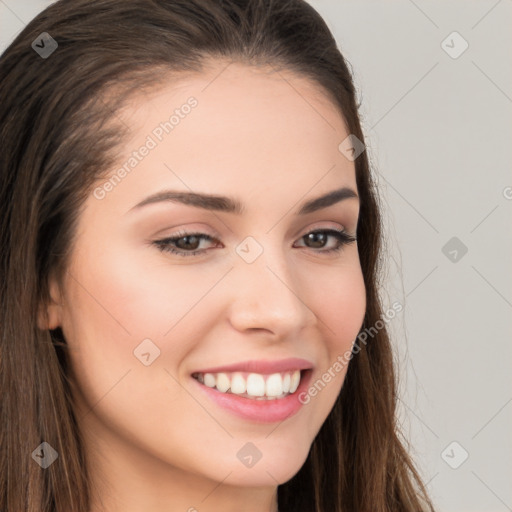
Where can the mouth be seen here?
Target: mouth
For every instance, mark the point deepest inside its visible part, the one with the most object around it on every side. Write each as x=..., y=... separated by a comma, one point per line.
x=256, y=397
x=254, y=386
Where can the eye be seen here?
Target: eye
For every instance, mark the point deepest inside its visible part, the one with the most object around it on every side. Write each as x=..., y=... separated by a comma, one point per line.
x=319, y=236
x=186, y=244
x=183, y=241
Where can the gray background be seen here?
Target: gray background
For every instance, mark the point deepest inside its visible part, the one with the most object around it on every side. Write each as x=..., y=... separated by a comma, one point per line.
x=439, y=135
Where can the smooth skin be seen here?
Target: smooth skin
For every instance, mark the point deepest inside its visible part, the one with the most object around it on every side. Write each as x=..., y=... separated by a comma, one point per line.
x=154, y=440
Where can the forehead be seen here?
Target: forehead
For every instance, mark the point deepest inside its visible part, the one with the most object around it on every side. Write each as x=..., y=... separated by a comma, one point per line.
x=250, y=130
x=248, y=101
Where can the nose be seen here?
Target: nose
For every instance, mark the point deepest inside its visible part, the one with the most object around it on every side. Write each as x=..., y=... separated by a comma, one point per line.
x=267, y=295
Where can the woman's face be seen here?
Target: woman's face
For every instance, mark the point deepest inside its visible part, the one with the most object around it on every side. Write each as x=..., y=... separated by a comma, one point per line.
x=141, y=322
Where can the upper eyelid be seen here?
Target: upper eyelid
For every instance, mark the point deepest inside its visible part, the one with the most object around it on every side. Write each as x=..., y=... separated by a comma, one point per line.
x=216, y=238
x=314, y=225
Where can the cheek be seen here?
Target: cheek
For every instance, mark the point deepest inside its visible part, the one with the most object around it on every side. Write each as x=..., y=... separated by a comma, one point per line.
x=344, y=309
x=113, y=305
x=111, y=308
x=340, y=308
x=337, y=295
x=117, y=300
x=125, y=299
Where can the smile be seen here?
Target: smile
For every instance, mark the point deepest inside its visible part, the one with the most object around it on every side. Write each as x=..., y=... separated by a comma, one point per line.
x=255, y=386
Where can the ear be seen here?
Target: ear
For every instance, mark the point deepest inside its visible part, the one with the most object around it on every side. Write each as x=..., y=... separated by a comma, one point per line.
x=49, y=316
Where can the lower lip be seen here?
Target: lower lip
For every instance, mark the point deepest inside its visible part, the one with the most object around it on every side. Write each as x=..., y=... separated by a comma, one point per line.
x=263, y=411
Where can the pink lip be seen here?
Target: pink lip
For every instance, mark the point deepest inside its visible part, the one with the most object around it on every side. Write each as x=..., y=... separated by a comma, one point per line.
x=262, y=366
x=261, y=411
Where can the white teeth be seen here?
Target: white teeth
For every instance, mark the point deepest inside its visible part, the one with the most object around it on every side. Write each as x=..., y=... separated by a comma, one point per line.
x=286, y=383
x=253, y=385
x=209, y=380
x=274, y=385
x=223, y=382
x=238, y=384
x=294, y=383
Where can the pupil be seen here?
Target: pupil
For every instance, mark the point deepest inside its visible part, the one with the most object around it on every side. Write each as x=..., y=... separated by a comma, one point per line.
x=314, y=237
x=187, y=241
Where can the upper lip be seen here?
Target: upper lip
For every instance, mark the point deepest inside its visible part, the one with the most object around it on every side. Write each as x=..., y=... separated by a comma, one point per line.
x=262, y=366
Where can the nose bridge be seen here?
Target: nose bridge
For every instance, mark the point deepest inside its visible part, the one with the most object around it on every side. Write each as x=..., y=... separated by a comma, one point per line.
x=267, y=293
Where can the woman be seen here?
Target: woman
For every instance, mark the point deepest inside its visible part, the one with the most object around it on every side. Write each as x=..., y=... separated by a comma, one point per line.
x=138, y=133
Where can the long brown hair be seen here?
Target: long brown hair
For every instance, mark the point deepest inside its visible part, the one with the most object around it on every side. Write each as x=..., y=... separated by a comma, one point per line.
x=56, y=114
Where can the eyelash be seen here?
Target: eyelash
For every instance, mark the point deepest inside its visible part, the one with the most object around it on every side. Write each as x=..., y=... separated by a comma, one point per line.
x=165, y=244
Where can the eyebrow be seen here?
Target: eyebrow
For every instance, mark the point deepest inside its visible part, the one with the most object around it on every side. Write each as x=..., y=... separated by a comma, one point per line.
x=230, y=205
